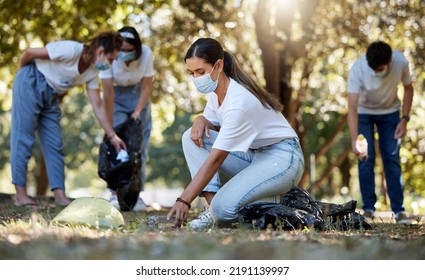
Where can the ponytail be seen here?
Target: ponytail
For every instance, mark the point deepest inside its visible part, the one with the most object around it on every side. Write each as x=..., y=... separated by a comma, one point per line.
x=232, y=69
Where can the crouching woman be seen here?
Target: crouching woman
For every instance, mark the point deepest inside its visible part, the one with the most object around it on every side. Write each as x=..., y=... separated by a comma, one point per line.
x=242, y=133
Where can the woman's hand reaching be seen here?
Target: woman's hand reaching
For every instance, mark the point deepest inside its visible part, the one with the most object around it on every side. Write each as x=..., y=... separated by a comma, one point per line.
x=180, y=210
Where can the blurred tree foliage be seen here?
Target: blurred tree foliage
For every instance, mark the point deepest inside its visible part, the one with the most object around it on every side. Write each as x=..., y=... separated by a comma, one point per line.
x=299, y=50
x=167, y=160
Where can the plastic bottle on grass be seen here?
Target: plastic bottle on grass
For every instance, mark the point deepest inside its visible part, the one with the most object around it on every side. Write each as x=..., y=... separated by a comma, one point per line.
x=155, y=220
x=361, y=146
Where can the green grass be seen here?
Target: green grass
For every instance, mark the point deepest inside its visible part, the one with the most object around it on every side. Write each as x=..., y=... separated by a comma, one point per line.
x=30, y=235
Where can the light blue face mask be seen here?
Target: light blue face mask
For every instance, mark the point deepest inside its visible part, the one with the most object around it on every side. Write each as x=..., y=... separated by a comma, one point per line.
x=382, y=74
x=205, y=84
x=102, y=65
x=127, y=56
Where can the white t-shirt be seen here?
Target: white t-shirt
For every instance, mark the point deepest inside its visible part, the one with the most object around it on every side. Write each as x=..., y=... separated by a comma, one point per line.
x=244, y=122
x=378, y=95
x=61, y=70
x=124, y=75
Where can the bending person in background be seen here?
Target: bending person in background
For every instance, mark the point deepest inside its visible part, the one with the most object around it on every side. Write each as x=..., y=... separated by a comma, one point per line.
x=373, y=103
x=44, y=74
x=242, y=133
x=127, y=87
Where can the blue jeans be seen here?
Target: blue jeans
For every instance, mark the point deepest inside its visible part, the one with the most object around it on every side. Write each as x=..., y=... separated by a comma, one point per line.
x=260, y=175
x=386, y=126
x=35, y=106
x=126, y=99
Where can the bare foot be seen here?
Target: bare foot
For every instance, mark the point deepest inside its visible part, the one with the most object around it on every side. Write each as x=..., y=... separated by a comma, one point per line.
x=22, y=199
x=26, y=202
x=62, y=202
x=60, y=198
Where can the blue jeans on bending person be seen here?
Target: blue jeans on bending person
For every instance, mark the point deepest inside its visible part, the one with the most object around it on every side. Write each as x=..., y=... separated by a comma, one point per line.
x=260, y=175
x=35, y=107
x=386, y=125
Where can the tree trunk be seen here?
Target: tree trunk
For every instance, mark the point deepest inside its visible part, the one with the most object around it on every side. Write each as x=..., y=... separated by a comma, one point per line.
x=277, y=55
x=267, y=44
x=41, y=176
x=345, y=170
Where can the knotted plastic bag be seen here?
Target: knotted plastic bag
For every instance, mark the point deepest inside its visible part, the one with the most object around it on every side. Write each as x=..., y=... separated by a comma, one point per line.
x=91, y=211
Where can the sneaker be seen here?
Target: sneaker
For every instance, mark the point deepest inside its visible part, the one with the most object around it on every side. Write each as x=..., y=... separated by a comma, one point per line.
x=402, y=218
x=370, y=214
x=140, y=205
x=113, y=199
x=204, y=220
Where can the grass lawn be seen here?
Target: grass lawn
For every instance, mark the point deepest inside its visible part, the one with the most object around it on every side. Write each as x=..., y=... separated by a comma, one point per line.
x=26, y=235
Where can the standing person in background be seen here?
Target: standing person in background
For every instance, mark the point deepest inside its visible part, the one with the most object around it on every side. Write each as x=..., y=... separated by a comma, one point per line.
x=242, y=132
x=127, y=88
x=373, y=102
x=44, y=74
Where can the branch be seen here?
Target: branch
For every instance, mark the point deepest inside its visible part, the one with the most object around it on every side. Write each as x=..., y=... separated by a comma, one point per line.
x=336, y=163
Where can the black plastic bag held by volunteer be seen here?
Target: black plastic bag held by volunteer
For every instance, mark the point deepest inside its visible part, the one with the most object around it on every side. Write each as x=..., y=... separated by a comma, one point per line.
x=298, y=210
x=123, y=177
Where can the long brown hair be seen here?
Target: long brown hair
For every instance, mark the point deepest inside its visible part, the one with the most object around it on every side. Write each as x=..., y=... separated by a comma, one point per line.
x=109, y=40
x=211, y=50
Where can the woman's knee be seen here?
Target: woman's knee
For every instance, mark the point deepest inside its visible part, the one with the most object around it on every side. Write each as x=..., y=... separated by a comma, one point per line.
x=186, y=137
x=223, y=212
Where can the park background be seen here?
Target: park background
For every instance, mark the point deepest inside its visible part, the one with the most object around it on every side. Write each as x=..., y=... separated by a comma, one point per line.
x=299, y=50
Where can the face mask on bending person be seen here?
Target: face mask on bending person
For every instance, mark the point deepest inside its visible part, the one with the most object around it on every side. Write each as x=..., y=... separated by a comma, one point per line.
x=102, y=65
x=205, y=84
x=102, y=61
x=127, y=56
x=382, y=73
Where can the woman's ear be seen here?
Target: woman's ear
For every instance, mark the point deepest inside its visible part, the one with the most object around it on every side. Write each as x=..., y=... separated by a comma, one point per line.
x=220, y=65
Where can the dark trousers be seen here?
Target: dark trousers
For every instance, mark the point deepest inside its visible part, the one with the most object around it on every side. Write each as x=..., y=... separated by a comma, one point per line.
x=386, y=125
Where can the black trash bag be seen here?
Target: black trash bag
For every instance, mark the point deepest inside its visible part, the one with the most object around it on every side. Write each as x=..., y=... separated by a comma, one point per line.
x=123, y=177
x=261, y=215
x=298, y=198
x=298, y=210
x=344, y=216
